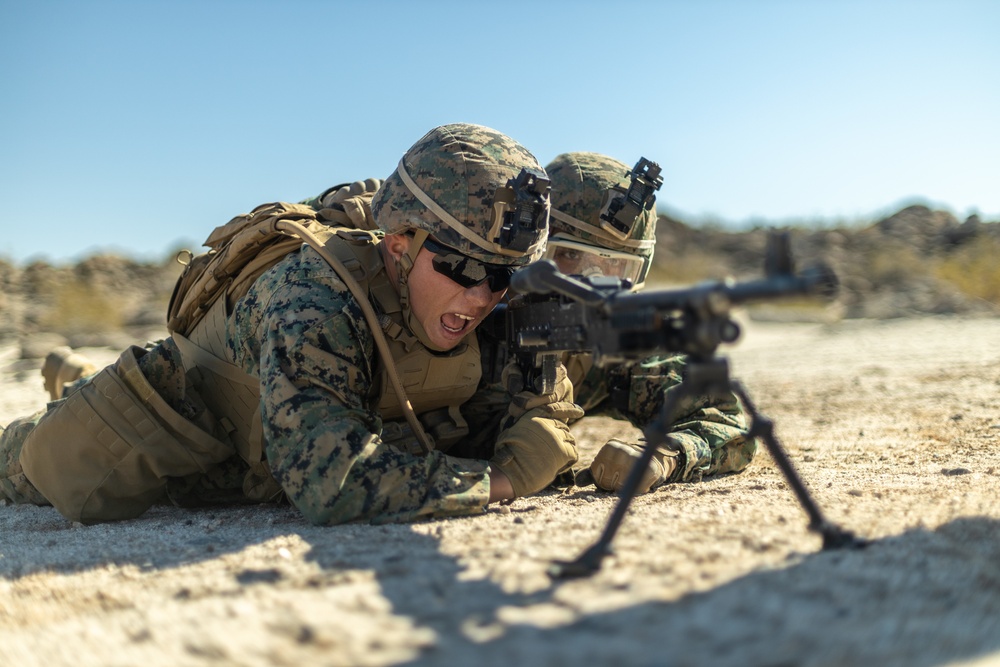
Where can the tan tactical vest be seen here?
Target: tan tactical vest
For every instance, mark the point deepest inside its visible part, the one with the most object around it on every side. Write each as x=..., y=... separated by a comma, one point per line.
x=435, y=383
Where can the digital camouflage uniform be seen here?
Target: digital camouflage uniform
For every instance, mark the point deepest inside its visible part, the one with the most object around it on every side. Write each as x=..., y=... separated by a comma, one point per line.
x=707, y=431
x=300, y=330
x=303, y=334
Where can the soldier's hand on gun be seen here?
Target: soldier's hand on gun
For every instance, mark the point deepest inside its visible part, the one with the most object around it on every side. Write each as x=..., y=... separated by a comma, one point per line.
x=535, y=444
x=558, y=403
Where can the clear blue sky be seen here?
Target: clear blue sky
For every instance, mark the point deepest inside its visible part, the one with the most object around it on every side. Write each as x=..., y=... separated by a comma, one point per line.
x=138, y=126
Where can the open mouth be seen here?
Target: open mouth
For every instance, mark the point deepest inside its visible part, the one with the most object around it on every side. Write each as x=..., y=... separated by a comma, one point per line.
x=455, y=322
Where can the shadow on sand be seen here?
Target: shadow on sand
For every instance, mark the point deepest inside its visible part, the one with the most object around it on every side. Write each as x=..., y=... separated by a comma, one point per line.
x=919, y=599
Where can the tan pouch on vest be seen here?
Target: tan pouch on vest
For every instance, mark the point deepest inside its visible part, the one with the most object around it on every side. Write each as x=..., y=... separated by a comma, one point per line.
x=106, y=451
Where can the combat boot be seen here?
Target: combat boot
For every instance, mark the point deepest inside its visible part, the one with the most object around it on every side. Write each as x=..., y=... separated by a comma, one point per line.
x=616, y=458
x=63, y=366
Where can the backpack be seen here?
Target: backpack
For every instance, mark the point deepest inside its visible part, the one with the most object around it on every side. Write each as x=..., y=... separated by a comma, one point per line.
x=249, y=244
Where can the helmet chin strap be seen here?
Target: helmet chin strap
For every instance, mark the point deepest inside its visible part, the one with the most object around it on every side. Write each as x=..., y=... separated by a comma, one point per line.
x=403, y=267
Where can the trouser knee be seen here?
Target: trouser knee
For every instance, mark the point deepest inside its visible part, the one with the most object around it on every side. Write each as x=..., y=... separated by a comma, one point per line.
x=14, y=485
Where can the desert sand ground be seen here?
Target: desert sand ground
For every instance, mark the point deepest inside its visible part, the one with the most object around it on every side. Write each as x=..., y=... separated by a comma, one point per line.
x=894, y=425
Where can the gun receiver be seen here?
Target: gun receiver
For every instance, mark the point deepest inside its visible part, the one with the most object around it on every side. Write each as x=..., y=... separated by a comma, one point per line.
x=552, y=313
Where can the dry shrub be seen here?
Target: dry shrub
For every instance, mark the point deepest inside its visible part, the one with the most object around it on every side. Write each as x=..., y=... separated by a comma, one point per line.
x=79, y=308
x=894, y=265
x=691, y=267
x=974, y=269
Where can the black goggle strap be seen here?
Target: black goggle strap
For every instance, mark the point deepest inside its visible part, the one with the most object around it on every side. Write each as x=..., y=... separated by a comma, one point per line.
x=624, y=209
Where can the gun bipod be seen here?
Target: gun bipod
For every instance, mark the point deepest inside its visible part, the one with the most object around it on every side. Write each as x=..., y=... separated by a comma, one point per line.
x=701, y=376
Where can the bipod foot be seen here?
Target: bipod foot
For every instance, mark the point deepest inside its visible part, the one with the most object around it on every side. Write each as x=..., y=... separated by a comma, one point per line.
x=585, y=565
x=835, y=537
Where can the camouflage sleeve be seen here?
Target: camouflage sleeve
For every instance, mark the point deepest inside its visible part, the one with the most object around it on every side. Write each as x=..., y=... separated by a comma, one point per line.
x=708, y=430
x=314, y=351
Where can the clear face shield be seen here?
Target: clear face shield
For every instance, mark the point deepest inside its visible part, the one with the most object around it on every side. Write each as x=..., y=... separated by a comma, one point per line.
x=575, y=258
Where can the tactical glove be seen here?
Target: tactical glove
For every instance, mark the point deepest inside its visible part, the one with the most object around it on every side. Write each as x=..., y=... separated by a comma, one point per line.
x=616, y=459
x=528, y=399
x=535, y=444
x=534, y=450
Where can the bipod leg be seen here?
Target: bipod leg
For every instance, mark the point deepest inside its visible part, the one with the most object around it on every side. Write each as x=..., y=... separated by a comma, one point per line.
x=834, y=537
x=699, y=377
x=589, y=561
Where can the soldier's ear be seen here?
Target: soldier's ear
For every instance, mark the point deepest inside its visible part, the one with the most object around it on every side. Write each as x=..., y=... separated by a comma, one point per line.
x=397, y=245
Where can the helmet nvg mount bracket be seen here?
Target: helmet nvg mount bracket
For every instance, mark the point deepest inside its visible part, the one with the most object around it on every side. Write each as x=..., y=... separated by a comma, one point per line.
x=621, y=212
x=520, y=210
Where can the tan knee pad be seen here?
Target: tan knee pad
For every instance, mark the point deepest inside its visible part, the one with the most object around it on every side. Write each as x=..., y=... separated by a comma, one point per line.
x=106, y=451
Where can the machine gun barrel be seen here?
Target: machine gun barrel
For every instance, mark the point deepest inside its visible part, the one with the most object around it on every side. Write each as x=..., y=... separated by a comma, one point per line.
x=817, y=280
x=544, y=278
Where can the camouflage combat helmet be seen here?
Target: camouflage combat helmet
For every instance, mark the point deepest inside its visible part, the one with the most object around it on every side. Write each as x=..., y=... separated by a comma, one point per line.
x=472, y=189
x=600, y=201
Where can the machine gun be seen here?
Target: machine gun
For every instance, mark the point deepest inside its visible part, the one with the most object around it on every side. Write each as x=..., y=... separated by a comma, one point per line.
x=550, y=314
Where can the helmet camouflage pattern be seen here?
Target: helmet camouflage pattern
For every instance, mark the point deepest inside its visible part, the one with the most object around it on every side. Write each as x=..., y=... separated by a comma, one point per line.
x=583, y=186
x=471, y=188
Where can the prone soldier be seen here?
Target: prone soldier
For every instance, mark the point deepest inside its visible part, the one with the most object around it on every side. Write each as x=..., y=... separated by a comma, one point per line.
x=603, y=221
x=282, y=386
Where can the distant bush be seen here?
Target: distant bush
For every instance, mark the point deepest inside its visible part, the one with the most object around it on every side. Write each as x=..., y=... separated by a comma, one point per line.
x=690, y=267
x=974, y=269
x=78, y=308
x=894, y=266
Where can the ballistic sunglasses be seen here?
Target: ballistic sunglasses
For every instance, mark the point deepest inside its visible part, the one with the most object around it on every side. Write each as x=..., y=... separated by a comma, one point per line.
x=465, y=270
